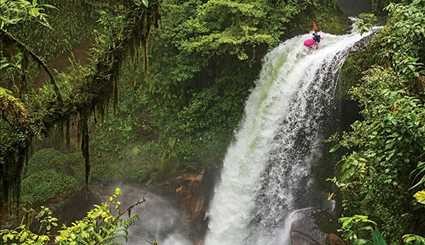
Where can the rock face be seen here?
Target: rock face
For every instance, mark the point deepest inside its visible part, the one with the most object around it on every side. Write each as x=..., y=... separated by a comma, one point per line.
x=306, y=228
x=193, y=193
x=333, y=239
x=190, y=196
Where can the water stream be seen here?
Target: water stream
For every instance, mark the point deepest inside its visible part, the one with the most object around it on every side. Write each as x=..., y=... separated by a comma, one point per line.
x=267, y=172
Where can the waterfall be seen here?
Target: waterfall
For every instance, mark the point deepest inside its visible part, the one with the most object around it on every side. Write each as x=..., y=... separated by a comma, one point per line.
x=267, y=171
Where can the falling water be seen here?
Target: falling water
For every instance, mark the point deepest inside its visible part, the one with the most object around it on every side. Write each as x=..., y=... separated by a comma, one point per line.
x=266, y=175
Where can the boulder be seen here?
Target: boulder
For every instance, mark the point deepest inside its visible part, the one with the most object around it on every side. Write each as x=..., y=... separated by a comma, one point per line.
x=306, y=228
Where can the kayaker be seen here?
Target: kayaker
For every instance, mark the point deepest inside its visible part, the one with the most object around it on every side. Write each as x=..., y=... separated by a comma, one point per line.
x=315, y=40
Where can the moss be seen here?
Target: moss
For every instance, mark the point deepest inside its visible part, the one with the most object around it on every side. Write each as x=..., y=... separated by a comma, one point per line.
x=12, y=109
x=44, y=185
x=51, y=173
x=45, y=159
x=49, y=158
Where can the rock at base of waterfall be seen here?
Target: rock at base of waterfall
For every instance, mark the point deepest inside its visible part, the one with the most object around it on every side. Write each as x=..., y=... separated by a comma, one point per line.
x=305, y=228
x=333, y=239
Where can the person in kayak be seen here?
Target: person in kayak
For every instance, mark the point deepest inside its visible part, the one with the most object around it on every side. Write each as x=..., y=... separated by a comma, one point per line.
x=316, y=37
x=315, y=40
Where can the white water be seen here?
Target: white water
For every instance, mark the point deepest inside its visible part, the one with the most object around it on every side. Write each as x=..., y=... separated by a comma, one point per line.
x=266, y=173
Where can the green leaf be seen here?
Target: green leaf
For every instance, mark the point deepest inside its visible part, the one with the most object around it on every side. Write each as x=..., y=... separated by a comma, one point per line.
x=420, y=197
x=413, y=239
x=360, y=242
x=4, y=65
x=34, y=12
x=377, y=238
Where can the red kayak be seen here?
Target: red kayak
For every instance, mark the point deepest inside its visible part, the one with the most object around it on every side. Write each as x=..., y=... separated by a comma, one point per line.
x=309, y=43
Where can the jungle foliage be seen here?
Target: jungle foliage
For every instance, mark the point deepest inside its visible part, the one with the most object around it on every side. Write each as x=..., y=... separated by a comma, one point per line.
x=382, y=165
x=203, y=61
x=185, y=104
x=51, y=174
x=184, y=107
x=359, y=229
x=182, y=92
x=104, y=224
x=78, y=93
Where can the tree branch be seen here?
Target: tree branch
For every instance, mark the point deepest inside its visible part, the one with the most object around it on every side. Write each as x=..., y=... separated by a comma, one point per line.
x=38, y=60
x=130, y=208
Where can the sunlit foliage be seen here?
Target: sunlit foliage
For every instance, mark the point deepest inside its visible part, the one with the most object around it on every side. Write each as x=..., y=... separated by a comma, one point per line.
x=103, y=224
x=14, y=12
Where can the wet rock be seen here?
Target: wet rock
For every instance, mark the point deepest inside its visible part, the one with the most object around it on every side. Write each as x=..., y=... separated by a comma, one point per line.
x=333, y=239
x=193, y=192
x=191, y=198
x=75, y=206
x=305, y=229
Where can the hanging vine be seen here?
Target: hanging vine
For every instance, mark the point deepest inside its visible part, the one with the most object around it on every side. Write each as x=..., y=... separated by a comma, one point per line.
x=85, y=143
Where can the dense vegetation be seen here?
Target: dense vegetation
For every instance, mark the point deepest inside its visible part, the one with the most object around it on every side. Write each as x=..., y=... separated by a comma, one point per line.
x=73, y=97
x=185, y=109
x=104, y=224
x=382, y=167
x=176, y=113
x=152, y=102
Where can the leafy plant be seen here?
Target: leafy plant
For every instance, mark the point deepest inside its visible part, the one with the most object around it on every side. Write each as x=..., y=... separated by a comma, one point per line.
x=357, y=229
x=420, y=197
x=419, y=175
x=14, y=12
x=365, y=22
x=141, y=3
x=382, y=153
x=411, y=239
x=23, y=235
x=41, y=186
x=102, y=225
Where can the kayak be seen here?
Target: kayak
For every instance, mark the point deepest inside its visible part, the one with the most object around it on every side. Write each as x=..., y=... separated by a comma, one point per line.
x=309, y=43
